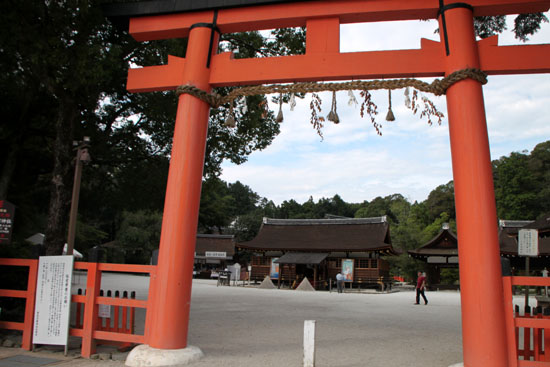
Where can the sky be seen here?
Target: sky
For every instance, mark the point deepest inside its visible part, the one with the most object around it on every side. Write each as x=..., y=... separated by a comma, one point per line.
x=410, y=158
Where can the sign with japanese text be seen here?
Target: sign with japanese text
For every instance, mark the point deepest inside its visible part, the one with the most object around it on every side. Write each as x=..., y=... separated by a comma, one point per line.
x=216, y=254
x=53, y=300
x=7, y=212
x=274, y=272
x=347, y=269
x=528, y=242
x=104, y=311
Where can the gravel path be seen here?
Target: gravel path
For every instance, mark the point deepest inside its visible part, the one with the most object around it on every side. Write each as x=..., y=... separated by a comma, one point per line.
x=242, y=326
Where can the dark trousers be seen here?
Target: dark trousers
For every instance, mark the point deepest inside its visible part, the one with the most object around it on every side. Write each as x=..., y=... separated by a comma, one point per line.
x=340, y=285
x=420, y=292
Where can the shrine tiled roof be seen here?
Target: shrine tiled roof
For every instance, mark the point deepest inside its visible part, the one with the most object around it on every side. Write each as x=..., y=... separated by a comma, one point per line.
x=323, y=235
x=443, y=244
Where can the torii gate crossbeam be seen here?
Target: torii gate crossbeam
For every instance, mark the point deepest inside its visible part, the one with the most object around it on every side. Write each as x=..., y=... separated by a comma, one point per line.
x=483, y=326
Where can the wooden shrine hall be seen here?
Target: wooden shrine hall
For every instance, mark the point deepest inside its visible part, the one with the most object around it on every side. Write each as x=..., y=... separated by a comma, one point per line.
x=290, y=249
x=442, y=250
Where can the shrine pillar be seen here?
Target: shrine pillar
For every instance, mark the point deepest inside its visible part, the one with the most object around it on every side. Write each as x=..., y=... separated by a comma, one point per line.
x=483, y=321
x=170, y=291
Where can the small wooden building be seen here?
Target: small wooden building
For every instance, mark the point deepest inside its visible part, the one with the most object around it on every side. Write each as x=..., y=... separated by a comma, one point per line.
x=290, y=249
x=213, y=252
x=438, y=253
x=442, y=251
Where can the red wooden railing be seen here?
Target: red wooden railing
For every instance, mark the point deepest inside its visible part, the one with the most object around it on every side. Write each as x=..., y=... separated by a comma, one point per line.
x=92, y=330
x=29, y=296
x=535, y=326
x=89, y=325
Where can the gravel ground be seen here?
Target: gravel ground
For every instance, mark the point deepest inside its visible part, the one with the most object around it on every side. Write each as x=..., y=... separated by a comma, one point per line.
x=246, y=326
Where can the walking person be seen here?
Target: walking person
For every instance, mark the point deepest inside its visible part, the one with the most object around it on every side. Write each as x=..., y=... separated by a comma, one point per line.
x=420, y=287
x=340, y=282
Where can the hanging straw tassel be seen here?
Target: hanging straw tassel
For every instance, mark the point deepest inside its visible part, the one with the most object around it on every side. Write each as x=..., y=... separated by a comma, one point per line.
x=244, y=110
x=407, y=97
x=332, y=115
x=292, y=101
x=230, y=120
x=390, y=116
x=280, y=118
x=352, y=100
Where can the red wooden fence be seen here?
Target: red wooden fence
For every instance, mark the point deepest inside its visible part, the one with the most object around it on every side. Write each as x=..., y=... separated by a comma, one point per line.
x=90, y=329
x=29, y=296
x=534, y=323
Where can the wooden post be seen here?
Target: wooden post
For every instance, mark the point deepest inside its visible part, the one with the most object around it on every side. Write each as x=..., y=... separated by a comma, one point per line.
x=93, y=285
x=309, y=343
x=315, y=277
x=26, y=342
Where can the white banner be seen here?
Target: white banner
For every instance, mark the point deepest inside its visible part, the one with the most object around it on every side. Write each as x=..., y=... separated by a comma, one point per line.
x=528, y=242
x=216, y=254
x=53, y=300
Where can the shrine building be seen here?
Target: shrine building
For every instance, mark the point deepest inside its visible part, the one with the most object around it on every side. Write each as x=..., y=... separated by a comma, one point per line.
x=213, y=253
x=290, y=249
x=442, y=250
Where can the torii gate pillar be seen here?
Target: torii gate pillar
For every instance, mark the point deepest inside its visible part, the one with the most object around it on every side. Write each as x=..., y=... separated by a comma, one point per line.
x=483, y=326
x=168, y=320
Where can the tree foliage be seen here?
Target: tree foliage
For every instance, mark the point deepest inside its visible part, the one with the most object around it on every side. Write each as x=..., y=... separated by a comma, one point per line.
x=64, y=77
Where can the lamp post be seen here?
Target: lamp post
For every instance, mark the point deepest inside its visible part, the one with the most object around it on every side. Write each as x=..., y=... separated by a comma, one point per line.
x=82, y=156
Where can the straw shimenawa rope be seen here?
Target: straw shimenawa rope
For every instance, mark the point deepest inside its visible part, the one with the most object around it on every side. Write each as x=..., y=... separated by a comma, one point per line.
x=437, y=87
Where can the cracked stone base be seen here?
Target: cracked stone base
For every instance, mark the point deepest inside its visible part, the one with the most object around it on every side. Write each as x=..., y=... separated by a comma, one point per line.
x=145, y=356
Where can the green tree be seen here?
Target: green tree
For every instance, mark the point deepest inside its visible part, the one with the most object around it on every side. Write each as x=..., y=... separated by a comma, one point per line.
x=515, y=188
x=139, y=235
x=441, y=199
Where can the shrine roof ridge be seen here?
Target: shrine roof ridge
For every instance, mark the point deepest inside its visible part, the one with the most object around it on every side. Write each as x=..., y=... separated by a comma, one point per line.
x=337, y=221
x=221, y=236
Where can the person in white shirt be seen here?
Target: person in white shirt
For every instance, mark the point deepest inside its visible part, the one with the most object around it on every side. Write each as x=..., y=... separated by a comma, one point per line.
x=340, y=282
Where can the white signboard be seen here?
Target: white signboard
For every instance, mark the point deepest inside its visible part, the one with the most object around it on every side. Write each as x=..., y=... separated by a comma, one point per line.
x=53, y=300
x=528, y=242
x=219, y=254
x=104, y=311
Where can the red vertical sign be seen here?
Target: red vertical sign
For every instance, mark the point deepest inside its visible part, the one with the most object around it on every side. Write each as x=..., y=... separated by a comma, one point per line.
x=7, y=212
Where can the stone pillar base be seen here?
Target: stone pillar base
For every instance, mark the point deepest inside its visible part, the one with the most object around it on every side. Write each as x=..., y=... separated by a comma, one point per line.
x=145, y=356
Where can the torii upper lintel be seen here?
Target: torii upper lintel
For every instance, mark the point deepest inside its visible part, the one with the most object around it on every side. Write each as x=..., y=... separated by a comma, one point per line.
x=428, y=61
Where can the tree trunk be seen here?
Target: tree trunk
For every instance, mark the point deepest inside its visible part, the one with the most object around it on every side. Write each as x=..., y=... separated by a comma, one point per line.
x=11, y=160
x=61, y=183
x=7, y=171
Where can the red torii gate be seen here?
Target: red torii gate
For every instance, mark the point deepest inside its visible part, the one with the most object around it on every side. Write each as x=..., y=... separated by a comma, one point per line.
x=483, y=325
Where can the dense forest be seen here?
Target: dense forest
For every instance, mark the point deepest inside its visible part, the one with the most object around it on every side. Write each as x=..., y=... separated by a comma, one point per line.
x=64, y=72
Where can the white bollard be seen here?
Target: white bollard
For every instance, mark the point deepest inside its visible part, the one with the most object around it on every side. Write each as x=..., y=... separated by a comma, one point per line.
x=309, y=343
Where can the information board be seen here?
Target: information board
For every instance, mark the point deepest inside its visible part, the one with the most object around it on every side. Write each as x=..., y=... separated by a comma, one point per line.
x=53, y=300
x=528, y=242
